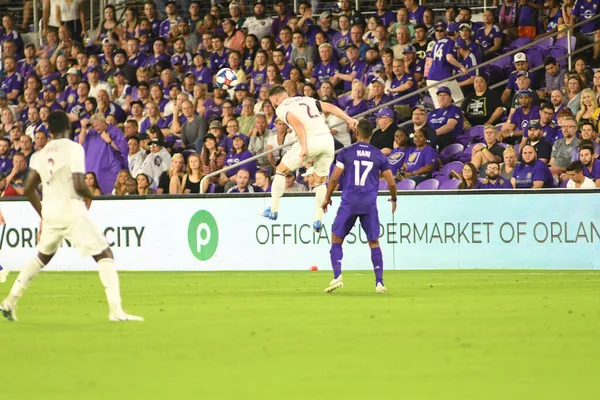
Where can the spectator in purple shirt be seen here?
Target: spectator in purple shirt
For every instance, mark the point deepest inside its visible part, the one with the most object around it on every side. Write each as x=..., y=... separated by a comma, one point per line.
x=415, y=11
x=582, y=11
x=359, y=99
x=280, y=60
x=50, y=98
x=327, y=68
x=352, y=70
x=219, y=55
x=421, y=161
x=6, y=164
x=447, y=120
x=493, y=180
x=239, y=152
x=102, y=144
x=383, y=12
x=281, y=19
x=591, y=165
x=159, y=48
x=12, y=83
x=531, y=173
x=8, y=23
x=402, y=150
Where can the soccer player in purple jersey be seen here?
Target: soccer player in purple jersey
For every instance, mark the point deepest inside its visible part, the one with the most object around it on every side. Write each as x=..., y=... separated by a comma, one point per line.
x=359, y=167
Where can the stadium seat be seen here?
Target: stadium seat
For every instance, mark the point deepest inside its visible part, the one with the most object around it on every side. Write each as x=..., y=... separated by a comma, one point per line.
x=563, y=42
x=503, y=145
x=407, y=184
x=535, y=56
x=442, y=178
x=564, y=184
x=447, y=169
x=559, y=53
x=451, y=184
x=344, y=101
x=475, y=133
x=544, y=45
x=447, y=154
x=429, y=184
x=501, y=62
x=519, y=42
x=383, y=185
x=465, y=156
x=186, y=154
x=211, y=188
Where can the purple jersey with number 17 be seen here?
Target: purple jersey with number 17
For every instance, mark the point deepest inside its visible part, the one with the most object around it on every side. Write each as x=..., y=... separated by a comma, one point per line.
x=362, y=165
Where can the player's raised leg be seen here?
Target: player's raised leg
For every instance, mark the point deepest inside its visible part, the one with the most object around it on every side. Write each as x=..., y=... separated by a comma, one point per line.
x=322, y=165
x=290, y=162
x=3, y=274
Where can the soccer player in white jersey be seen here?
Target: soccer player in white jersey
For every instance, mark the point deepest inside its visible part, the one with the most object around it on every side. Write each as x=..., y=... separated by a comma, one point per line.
x=60, y=167
x=3, y=272
x=315, y=145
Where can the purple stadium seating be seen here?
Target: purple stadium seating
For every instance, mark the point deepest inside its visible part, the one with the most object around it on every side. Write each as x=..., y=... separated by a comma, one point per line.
x=429, y=184
x=564, y=184
x=558, y=52
x=475, y=133
x=211, y=188
x=407, y=184
x=535, y=56
x=502, y=62
x=465, y=156
x=544, y=45
x=451, y=184
x=504, y=145
x=446, y=169
x=344, y=101
x=563, y=42
x=383, y=185
x=448, y=152
x=442, y=178
x=186, y=154
x=519, y=42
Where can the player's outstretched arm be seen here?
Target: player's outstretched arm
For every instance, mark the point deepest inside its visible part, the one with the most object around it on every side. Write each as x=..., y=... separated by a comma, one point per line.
x=82, y=189
x=32, y=182
x=333, y=182
x=338, y=112
x=389, y=178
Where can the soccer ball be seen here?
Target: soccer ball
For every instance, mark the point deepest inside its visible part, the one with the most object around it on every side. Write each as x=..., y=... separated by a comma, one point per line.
x=226, y=78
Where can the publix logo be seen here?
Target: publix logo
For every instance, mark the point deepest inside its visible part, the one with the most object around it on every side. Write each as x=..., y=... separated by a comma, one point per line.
x=203, y=235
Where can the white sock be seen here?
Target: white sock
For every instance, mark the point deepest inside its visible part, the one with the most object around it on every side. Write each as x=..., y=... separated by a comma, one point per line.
x=110, y=280
x=320, y=193
x=29, y=271
x=277, y=189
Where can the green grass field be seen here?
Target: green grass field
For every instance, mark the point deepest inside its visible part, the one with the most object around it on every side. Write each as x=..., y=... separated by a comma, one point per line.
x=434, y=335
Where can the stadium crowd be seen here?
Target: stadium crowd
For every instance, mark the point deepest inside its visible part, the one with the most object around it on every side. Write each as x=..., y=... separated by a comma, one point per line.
x=142, y=98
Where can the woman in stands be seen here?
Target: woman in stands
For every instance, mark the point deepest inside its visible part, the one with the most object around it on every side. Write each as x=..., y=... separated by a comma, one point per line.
x=191, y=180
x=200, y=90
x=326, y=90
x=158, y=97
x=468, y=178
x=263, y=96
x=170, y=180
x=8, y=121
x=108, y=25
x=401, y=151
x=212, y=159
x=269, y=111
x=143, y=184
x=552, y=16
x=310, y=90
x=228, y=112
x=239, y=152
x=490, y=36
x=509, y=164
x=119, y=189
x=574, y=87
x=273, y=76
x=152, y=117
x=596, y=85
x=122, y=92
x=91, y=180
x=359, y=99
x=370, y=37
x=421, y=162
x=259, y=72
x=131, y=27
x=589, y=109
x=249, y=53
x=586, y=74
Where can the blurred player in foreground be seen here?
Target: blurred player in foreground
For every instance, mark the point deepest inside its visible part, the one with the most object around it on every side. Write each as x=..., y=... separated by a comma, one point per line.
x=60, y=167
x=361, y=166
x=3, y=272
x=315, y=144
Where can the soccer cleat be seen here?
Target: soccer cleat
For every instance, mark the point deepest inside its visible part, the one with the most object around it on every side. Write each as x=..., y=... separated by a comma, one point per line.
x=337, y=283
x=379, y=288
x=8, y=310
x=3, y=274
x=123, y=316
x=317, y=226
x=270, y=215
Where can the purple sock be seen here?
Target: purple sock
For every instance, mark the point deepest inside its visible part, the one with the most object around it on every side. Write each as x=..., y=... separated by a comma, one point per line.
x=336, y=259
x=377, y=259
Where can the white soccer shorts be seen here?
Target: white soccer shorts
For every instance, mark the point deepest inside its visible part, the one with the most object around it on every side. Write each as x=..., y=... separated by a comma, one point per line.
x=321, y=151
x=82, y=233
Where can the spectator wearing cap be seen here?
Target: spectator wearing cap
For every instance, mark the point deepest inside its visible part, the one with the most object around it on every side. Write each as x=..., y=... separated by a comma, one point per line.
x=242, y=182
x=447, y=119
x=465, y=33
x=234, y=38
x=402, y=84
x=102, y=144
x=291, y=186
x=26, y=65
x=413, y=65
x=521, y=65
x=487, y=151
x=591, y=165
x=383, y=136
x=420, y=162
x=136, y=155
x=482, y=106
x=12, y=83
x=403, y=40
x=258, y=24
x=562, y=150
x=519, y=120
x=325, y=22
x=352, y=70
x=281, y=137
x=6, y=156
x=106, y=57
x=302, y=55
x=419, y=122
x=259, y=137
x=212, y=158
x=551, y=132
x=219, y=55
x=489, y=36
x=238, y=153
x=469, y=61
x=443, y=66
x=327, y=68
x=554, y=78
x=69, y=96
x=171, y=20
x=95, y=83
x=155, y=163
x=452, y=30
x=531, y=173
x=523, y=83
x=376, y=96
x=577, y=178
x=158, y=53
x=236, y=14
x=535, y=138
x=50, y=98
x=283, y=15
x=493, y=180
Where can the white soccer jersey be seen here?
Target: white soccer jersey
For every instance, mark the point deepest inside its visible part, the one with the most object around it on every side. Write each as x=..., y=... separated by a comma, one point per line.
x=56, y=163
x=307, y=111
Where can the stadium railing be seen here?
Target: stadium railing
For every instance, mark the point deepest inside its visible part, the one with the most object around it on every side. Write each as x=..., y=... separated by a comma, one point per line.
x=568, y=30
